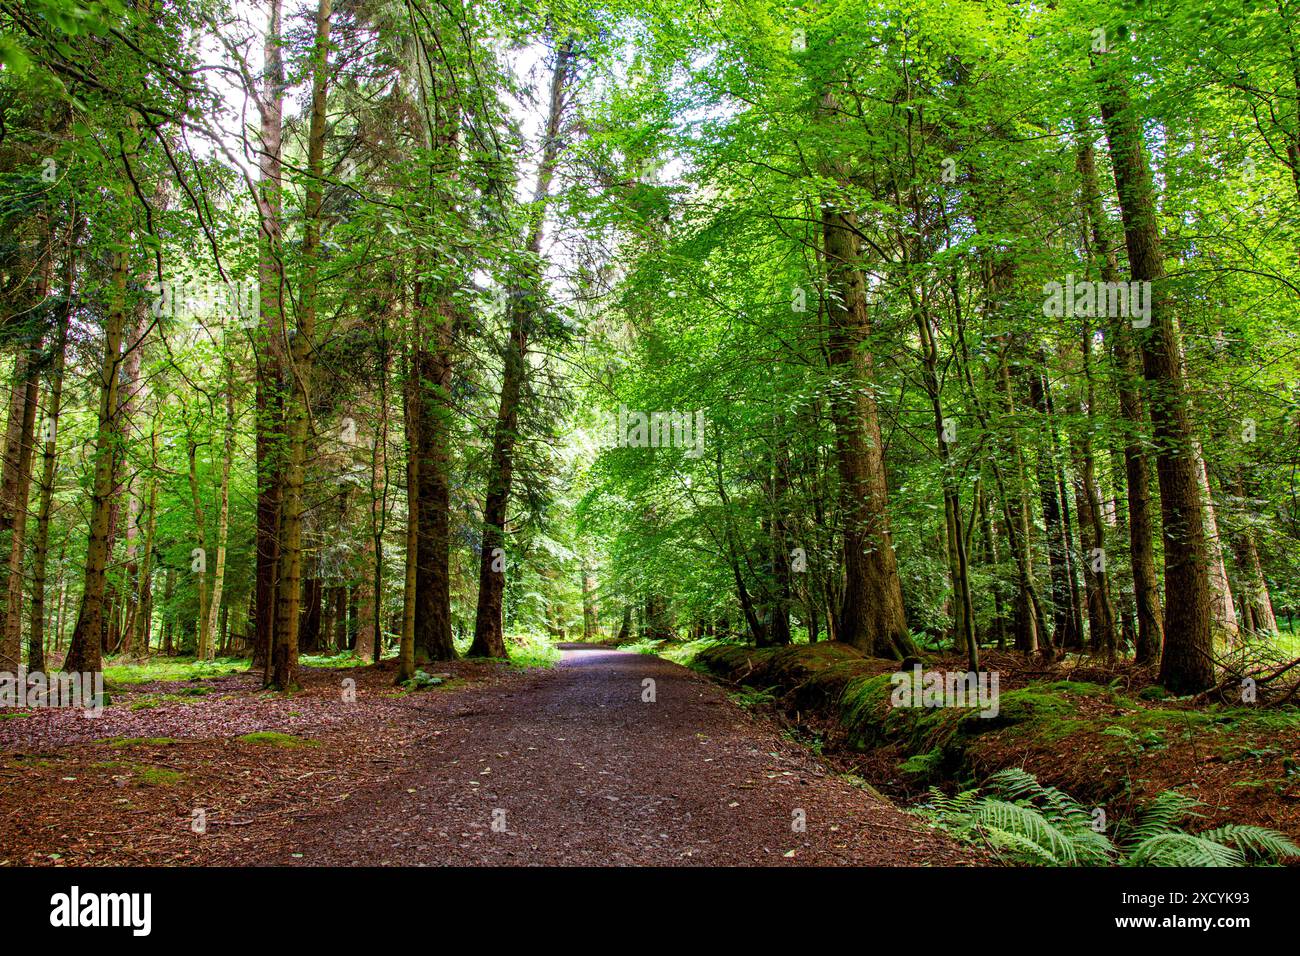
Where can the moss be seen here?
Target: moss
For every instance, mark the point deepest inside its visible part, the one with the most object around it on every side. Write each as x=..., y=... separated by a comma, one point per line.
x=937, y=738
x=730, y=660
x=924, y=765
x=171, y=669
x=146, y=774
x=797, y=663
x=159, y=776
x=1079, y=688
x=1033, y=702
x=1153, y=729
x=752, y=697
x=864, y=709
x=15, y=716
x=273, y=738
x=1154, y=692
x=1053, y=728
x=1273, y=720
x=120, y=742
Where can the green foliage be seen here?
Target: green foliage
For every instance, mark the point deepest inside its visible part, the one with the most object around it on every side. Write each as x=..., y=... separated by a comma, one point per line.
x=128, y=742
x=532, y=650
x=1023, y=821
x=420, y=680
x=341, y=659
x=171, y=669
x=752, y=698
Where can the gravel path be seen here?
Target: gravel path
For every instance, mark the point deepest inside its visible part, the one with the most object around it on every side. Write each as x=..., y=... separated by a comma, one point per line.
x=579, y=766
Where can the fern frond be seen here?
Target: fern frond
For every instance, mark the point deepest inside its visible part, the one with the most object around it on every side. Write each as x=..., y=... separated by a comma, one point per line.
x=1161, y=815
x=1254, y=842
x=1020, y=848
x=1183, y=849
x=1016, y=783
x=1028, y=823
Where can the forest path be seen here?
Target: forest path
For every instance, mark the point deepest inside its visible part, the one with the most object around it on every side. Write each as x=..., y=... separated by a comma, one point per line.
x=575, y=767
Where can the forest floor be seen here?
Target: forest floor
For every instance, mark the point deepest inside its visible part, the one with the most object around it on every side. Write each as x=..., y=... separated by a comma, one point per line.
x=568, y=765
x=1103, y=733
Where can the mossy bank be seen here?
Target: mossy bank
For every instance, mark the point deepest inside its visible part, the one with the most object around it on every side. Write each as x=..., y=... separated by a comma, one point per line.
x=1113, y=745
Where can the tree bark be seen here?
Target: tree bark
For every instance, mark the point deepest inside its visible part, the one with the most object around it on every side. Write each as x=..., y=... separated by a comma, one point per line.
x=523, y=306
x=872, y=617
x=85, y=654
x=223, y=508
x=49, y=466
x=282, y=667
x=270, y=373
x=1187, y=664
x=1137, y=473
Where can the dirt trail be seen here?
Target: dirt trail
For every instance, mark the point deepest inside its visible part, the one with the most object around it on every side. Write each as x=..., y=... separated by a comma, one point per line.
x=576, y=767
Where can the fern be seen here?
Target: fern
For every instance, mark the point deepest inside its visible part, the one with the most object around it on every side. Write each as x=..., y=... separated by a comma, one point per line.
x=1020, y=848
x=1164, y=814
x=1183, y=849
x=1024, y=821
x=1256, y=843
x=1028, y=823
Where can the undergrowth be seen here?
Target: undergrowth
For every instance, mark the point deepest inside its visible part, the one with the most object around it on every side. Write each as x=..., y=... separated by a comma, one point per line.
x=1023, y=821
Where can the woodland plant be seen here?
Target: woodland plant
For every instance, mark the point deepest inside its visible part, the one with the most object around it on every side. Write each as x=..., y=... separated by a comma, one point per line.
x=1025, y=822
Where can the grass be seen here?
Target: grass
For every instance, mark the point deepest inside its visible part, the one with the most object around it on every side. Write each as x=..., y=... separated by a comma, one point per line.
x=119, y=671
x=642, y=645
x=122, y=671
x=342, y=659
x=532, y=650
x=1287, y=641
x=683, y=652
x=184, y=696
x=526, y=651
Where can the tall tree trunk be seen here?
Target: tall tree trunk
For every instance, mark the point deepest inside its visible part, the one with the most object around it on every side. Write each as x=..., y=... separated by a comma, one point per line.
x=1092, y=527
x=86, y=651
x=1255, y=596
x=223, y=508
x=281, y=670
x=199, y=562
x=589, y=622
x=270, y=373
x=49, y=466
x=1187, y=664
x=872, y=617
x=130, y=394
x=523, y=305
x=11, y=623
x=1064, y=633
x=367, y=621
x=140, y=624
x=406, y=651
x=1137, y=474
x=1221, y=603
x=964, y=615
